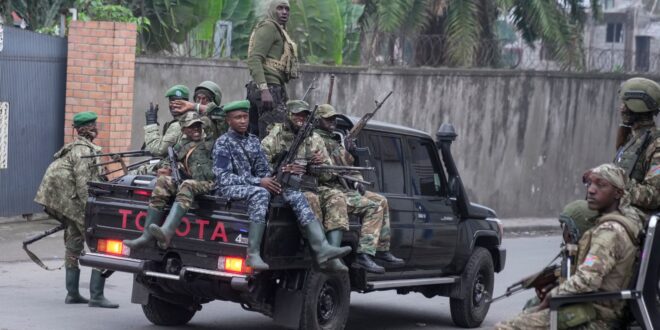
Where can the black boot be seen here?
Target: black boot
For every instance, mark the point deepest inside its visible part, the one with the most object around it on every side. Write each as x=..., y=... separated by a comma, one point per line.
x=73, y=295
x=255, y=235
x=96, y=285
x=365, y=262
x=334, y=265
x=164, y=234
x=154, y=216
x=389, y=258
x=319, y=244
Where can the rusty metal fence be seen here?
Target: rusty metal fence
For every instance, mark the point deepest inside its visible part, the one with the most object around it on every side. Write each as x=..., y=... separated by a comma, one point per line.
x=32, y=95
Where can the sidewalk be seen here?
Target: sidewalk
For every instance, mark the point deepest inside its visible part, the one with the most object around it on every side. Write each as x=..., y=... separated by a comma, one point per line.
x=530, y=226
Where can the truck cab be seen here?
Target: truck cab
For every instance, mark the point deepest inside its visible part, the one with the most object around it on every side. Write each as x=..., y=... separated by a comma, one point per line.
x=451, y=247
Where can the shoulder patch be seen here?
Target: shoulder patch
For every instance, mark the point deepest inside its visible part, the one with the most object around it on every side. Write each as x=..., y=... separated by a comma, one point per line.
x=590, y=260
x=653, y=171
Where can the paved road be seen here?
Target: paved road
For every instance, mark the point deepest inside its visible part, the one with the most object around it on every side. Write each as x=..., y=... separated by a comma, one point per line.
x=31, y=298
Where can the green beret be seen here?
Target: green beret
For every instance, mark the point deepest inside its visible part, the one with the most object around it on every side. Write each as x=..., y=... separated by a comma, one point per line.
x=178, y=91
x=84, y=118
x=190, y=118
x=325, y=111
x=296, y=106
x=243, y=105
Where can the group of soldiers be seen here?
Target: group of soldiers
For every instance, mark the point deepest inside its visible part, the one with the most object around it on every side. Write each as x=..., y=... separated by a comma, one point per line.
x=605, y=228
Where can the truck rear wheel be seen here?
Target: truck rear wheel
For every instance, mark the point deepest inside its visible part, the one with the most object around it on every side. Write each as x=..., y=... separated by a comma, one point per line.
x=160, y=312
x=477, y=286
x=326, y=301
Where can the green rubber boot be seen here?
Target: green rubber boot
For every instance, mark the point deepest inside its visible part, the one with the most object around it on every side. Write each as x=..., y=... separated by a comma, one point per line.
x=96, y=285
x=255, y=236
x=73, y=295
x=334, y=265
x=154, y=216
x=319, y=244
x=164, y=233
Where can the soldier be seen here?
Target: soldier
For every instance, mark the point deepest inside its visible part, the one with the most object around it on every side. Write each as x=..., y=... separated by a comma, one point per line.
x=639, y=153
x=371, y=207
x=63, y=193
x=154, y=141
x=327, y=202
x=606, y=254
x=194, y=154
x=272, y=60
x=208, y=98
x=242, y=173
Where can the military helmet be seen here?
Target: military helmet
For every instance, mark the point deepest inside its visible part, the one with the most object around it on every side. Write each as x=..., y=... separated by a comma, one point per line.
x=640, y=95
x=213, y=88
x=577, y=218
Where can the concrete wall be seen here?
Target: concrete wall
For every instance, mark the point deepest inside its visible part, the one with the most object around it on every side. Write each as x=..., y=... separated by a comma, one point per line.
x=525, y=137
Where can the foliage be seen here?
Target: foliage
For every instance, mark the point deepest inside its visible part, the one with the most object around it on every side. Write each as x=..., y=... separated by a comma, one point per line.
x=318, y=28
x=242, y=15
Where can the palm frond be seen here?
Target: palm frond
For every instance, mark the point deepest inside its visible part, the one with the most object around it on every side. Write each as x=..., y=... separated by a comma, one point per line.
x=462, y=32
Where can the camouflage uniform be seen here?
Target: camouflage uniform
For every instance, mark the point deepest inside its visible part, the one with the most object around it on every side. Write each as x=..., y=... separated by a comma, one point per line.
x=196, y=166
x=605, y=258
x=239, y=166
x=157, y=143
x=332, y=201
x=213, y=117
x=372, y=208
x=63, y=192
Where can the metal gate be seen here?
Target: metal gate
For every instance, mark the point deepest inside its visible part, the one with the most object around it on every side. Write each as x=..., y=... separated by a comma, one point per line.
x=32, y=91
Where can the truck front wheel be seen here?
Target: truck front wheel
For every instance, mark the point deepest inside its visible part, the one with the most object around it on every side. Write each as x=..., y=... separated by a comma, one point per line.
x=327, y=299
x=477, y=286
x=160, y=312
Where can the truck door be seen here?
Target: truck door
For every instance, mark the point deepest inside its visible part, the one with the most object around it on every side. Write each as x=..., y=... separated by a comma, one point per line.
x=434, y=218
x=387, y=157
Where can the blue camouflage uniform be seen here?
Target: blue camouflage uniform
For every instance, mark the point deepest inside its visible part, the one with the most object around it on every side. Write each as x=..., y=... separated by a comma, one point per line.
x=239, y=164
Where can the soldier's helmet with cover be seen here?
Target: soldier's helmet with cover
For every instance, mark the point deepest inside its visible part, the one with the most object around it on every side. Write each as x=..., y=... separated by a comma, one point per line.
x=640, y=95
x=213, y=88
x=576, y=219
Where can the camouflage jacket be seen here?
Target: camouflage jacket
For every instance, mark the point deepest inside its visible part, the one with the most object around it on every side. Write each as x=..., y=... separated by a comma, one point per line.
x=279, y=139
x=64, y=186
x=338, y=154
x=195, y=159
x=645, y=186
x=158, y=143
x=606, y=255
x=239, y=160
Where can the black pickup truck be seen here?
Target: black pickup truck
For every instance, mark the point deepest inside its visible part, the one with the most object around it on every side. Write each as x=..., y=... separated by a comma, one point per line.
x=451, y=247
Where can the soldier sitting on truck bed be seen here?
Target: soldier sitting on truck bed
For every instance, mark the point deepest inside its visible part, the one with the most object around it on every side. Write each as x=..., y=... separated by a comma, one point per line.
x=371, y=207
x=194, y=154
x=207, y=99
x=242, y=173
x=155, y=141
x=329, y=204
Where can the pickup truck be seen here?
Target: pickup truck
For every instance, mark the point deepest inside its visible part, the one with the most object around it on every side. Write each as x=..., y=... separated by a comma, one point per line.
x=451, y=247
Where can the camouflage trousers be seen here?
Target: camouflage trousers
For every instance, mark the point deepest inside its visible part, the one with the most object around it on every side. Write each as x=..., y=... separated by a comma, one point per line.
x=329, y=206
x=256, y=198
x=532, y=320
x=74, y=238
x=371, y=211
x=185, y=193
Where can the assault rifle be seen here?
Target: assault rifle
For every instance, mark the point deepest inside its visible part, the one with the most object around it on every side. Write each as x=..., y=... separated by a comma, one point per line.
x=343, y=172
x=174, y=165
x=353, y=133
x=548, y=276
x=288, y=179
x=35, y=238
x=118, y=157
x=311, y=86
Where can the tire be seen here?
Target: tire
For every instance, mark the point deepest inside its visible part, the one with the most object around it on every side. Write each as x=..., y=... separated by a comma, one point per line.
x=326, y=301
x=477, y=285
x=160, y=312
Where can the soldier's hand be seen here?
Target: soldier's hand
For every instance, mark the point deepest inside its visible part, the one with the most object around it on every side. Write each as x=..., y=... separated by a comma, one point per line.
x=271, y=185
x=164, y=171
x=151, y=115
x=349, y=144
x=317, y=158
x=266, y=100
x=180, y=107
x=297, y=169
x=360, y=188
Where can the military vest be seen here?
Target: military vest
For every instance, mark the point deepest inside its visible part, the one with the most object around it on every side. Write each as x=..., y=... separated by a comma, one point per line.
x=195, y=158
x=287, y=64
x=631, y=156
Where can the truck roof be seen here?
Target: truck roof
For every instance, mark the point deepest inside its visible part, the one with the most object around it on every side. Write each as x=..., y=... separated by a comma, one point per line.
x=376, y=125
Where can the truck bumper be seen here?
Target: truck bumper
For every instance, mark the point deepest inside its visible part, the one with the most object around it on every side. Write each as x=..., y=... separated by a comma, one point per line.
x=137, y=266
x=501, y=260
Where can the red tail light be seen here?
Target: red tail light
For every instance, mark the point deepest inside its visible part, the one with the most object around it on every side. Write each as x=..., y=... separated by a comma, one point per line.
x=233, y=265
x=111, y=247
x=142, y=192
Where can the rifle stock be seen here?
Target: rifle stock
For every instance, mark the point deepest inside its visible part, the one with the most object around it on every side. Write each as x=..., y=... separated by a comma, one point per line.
x=549, y=275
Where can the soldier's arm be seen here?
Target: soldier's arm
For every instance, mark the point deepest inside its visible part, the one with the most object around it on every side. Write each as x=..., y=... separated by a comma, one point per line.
x=269, y=150
x=603, y=255
x=83, y=170
x=223, y=169
x=348, y=160
x=646, y=194
x=314, y=143
x=158, y=144
x=264, y=38
x=261, y=166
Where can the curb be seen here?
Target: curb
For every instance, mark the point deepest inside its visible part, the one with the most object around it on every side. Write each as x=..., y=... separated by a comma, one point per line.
x=24, y=218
